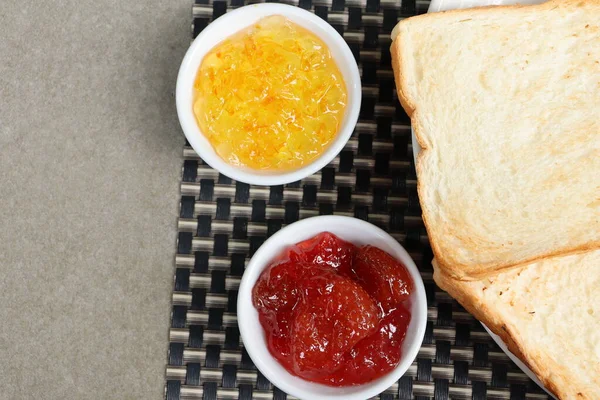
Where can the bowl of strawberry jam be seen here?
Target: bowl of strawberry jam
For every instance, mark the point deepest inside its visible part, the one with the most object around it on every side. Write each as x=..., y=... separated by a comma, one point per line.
x=332, y=307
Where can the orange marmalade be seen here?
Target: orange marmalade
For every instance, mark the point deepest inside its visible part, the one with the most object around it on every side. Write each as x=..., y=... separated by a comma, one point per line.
x=270, y=97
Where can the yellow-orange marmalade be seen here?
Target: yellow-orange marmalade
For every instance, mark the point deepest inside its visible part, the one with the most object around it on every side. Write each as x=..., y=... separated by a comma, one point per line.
x=270, y=97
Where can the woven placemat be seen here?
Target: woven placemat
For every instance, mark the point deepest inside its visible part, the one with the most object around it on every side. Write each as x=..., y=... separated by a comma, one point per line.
x=222, y=223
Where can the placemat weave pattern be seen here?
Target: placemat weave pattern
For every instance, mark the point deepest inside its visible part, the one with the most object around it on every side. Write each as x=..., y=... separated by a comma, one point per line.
x=222, y=223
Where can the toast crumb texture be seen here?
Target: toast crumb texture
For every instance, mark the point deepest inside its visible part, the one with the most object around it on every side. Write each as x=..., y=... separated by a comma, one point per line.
x=548, y=314
x=505, y=102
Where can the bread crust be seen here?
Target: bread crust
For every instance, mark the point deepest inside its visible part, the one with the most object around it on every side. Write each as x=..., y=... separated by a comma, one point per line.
x=484, y=313
x=446, y=261
x=461, y=274
x=451, y=276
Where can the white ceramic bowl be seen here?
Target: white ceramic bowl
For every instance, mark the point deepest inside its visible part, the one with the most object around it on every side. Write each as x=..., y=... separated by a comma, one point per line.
x=229, y=24
x=355, y=231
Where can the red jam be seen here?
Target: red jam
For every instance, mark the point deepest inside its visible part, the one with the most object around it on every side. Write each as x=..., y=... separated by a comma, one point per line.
x=334, y=313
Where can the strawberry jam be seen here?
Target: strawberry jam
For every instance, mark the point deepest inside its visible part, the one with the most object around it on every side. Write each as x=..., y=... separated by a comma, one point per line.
x=334, y=313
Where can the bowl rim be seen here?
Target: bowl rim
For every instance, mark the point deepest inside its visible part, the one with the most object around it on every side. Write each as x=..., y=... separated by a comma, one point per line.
x=310, y=227
x=191, y=62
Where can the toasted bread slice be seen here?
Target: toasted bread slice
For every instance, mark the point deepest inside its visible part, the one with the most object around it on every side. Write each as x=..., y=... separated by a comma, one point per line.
x=505, y=102
x=548, y=314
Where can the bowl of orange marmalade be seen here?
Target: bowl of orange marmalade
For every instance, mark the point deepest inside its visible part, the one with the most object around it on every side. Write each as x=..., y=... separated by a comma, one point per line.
x=268, y=94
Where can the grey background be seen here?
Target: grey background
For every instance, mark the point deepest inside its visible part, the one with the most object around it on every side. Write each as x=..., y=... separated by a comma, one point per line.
x=90, y=157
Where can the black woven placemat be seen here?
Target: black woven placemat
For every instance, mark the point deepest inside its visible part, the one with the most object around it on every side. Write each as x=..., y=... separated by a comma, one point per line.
x=222, y=223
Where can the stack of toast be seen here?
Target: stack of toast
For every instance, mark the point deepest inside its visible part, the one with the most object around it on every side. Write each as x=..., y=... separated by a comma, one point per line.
x=505, y=104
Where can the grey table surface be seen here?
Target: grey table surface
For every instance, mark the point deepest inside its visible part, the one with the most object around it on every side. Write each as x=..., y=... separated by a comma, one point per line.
x=90, y=157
